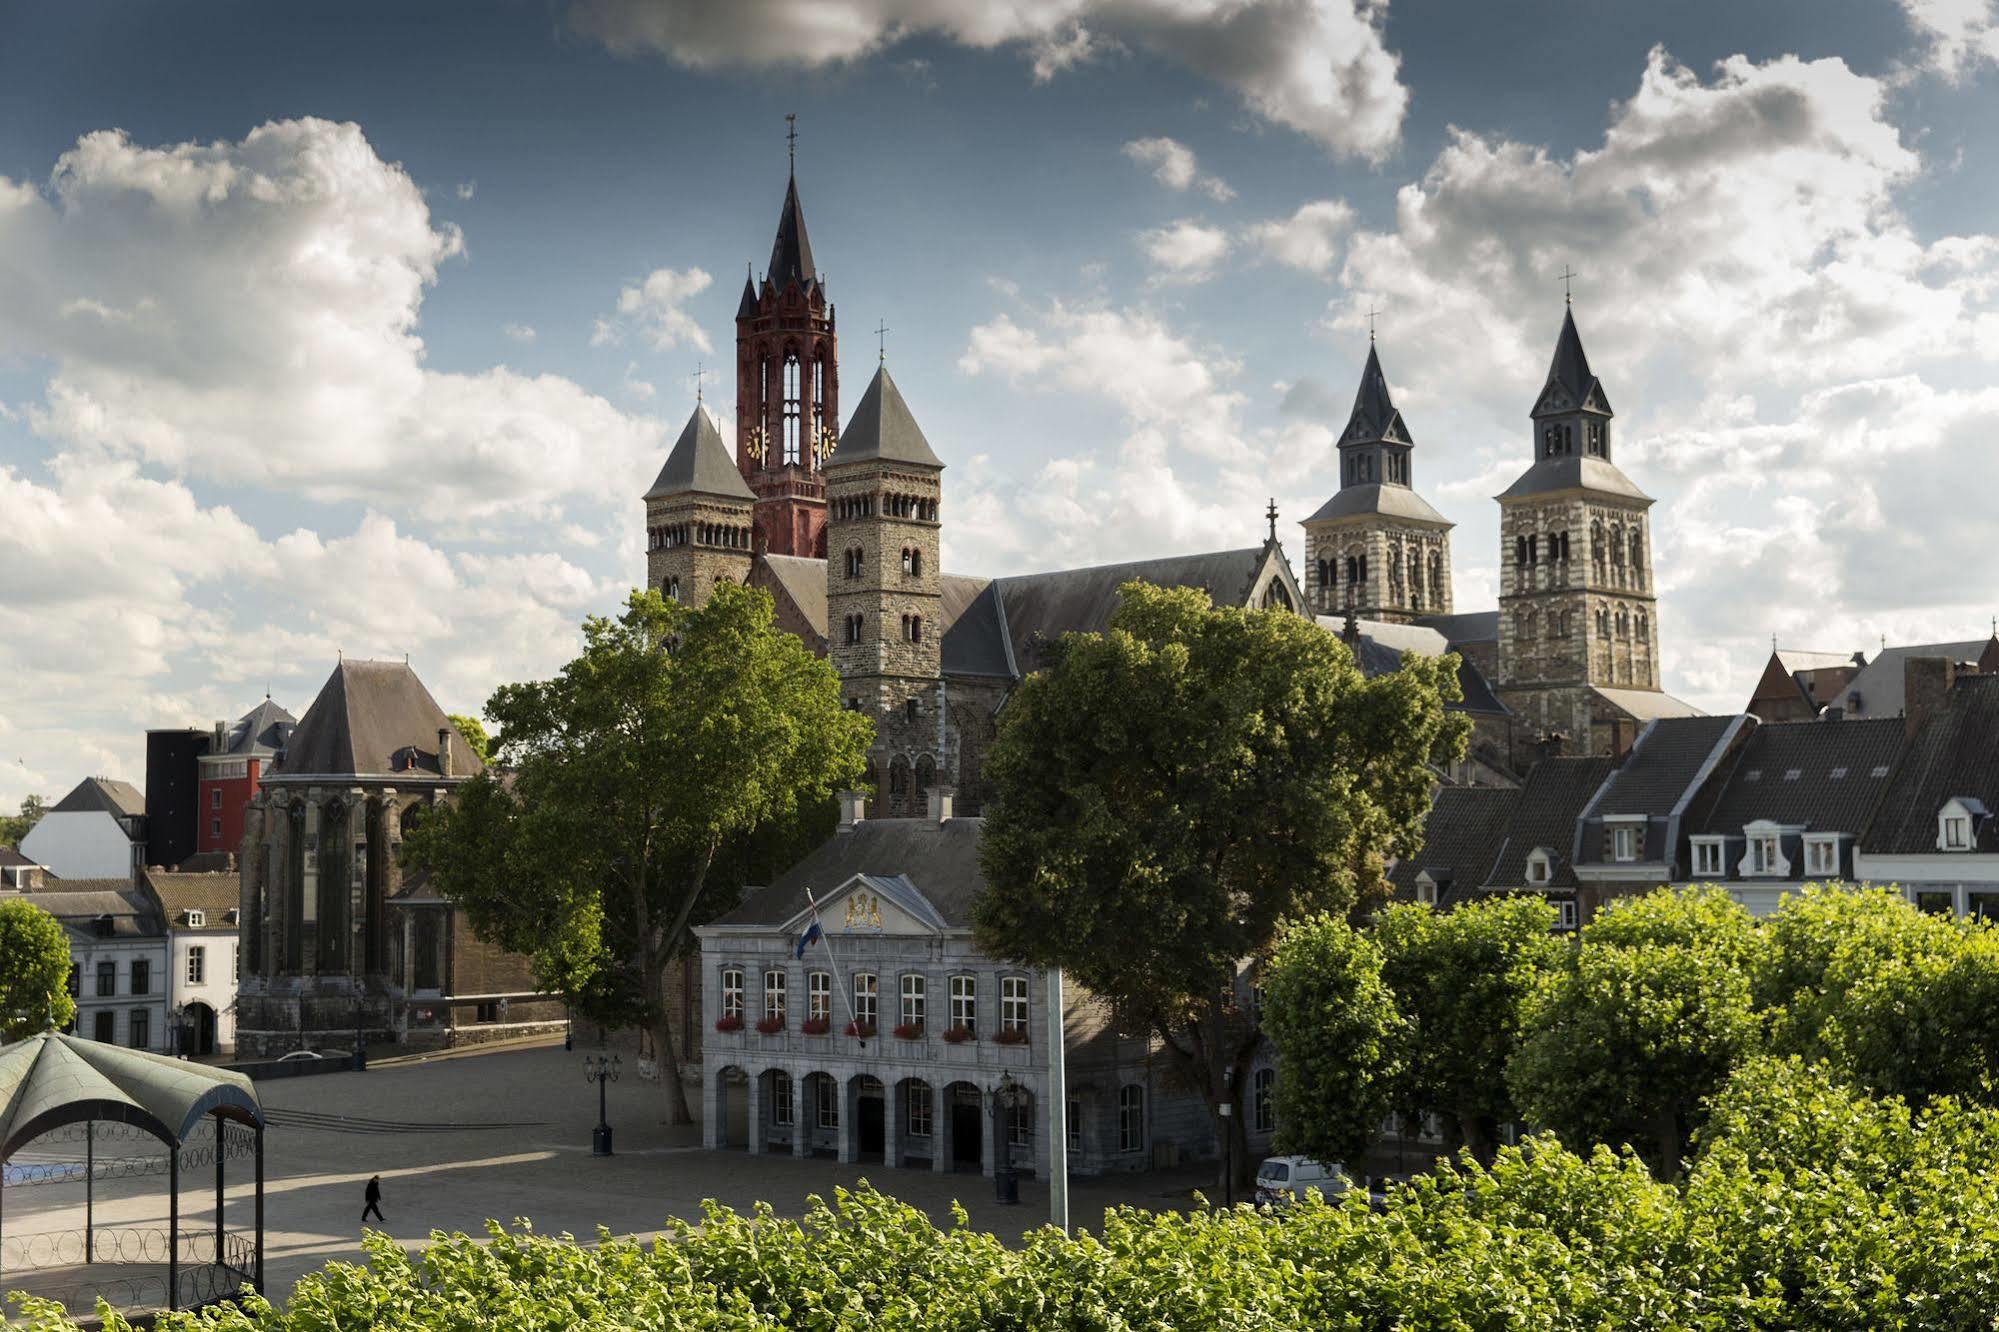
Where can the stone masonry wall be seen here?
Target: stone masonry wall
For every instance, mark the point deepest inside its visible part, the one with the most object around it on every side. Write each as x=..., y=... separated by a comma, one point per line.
x=1384, y=595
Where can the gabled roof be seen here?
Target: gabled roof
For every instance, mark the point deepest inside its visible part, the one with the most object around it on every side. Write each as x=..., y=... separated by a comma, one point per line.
x=1878, y=690
x=1645, y=704
x=975, y=637
x=1462, y=837
x=1665, y=762
x=882, y=429
x=1804, y=659
x=699, y=464
x=1817, y=774
x=1374, y=417
x=1955, y=754
x=1546, y=809
x=804, y=581
x=791, y=252
x=1465, y=627
x=53, y=1079
x=132, y=916
x=215, y=895
x=1375, y=497
x=374, y=718
x=1380, y=649
x=1570, y=383
x=939, y=861
x=102, y=794
x=262, y=730
x=1042, y=607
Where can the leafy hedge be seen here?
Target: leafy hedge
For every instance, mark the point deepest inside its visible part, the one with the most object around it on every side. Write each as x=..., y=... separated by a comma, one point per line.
x=1806, y=1205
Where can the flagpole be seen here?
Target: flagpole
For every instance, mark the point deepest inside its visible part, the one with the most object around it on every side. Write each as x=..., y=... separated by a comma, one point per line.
x=826, y=937
x=1058, y=1107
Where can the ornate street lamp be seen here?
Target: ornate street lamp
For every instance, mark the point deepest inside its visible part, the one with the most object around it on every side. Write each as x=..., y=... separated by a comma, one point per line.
x=601, y=1069
x=1006, y=1097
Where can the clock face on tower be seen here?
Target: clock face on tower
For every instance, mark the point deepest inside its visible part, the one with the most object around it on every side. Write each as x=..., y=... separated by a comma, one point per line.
x=822, y=448
x=757, y=445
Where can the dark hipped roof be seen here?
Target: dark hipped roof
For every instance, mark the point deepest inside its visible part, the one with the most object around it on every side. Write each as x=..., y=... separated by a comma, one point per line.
x=883, y=429
x=1816, y=773
x=132, y=916
x=1664, y=763
x=262, y=730
x=699, y=464
x=1956, y=753
x=1373, y=497
x=1549, y=802
x=941, y=860
x=374, y=718
x=105, y=794
x=1574, y=472
x=791, y=252
x=10, y=858
x=1462, y=836
x=1877, y=691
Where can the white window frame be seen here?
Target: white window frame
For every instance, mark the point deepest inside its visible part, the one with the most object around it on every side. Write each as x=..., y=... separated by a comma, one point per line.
x=827, y=1102
x=1822, y=853
x=1014, y=1013
x=774, y=994
x=1131, y=1118
x=732, y=992
x=1020, y=1118
x=965, y=1002
x=781, y=1105
x=1957, y=824
x=1763, y=851
x=913, y=996
x=916, y=1103
x=1565, y=915
x=1262, y=1099
x=197, y=920
x=1627, y=840
x=1710, y=856
x=197, y=965
x=819, y=995
x=867, y=998
x=1540, y=870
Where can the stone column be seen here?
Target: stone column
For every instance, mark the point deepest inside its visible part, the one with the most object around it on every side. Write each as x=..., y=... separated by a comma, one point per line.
x=804, y=1114
x=942, y=1144
x=850, y=1113
x=281, y=886
x=714, y=1110
x=893, y=1100
x=994, y=1129
x=759, y=1114
x=358, y=914
x=308, y=953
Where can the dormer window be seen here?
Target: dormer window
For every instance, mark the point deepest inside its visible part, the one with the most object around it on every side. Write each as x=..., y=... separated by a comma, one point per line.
x=1708, y=856
x=1958, y=822
x=197, y=920
x=1627, y=837
x=1822, y=854
x=1763, y=851
x=1426, y=889
x=1540, y=867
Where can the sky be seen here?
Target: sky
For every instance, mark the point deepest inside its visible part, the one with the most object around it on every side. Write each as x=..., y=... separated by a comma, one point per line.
x=361, y=328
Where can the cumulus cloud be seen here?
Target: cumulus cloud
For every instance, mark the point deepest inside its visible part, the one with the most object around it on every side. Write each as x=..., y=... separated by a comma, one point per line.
x=1319, y=67
x=245, y=312
x=653, y=306
x=1308, y=240
x=1958, y=35
x=518, y=332
x=1173, y=165
x=1184, y=251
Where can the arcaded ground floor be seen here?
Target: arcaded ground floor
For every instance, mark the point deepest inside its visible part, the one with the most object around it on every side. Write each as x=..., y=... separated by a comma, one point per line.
x=460, y=1138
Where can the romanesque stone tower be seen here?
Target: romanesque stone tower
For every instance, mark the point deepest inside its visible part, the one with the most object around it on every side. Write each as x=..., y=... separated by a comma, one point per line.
x=1377, y=546
x=787, y=391
x=698, y=516
x=1578, y=623
x=884, y=593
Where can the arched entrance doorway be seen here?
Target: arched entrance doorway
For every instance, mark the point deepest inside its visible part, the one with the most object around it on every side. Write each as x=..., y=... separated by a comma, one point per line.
x=197, y=1030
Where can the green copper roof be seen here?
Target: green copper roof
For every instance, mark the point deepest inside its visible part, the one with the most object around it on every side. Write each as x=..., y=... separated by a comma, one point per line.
x=54, y=1079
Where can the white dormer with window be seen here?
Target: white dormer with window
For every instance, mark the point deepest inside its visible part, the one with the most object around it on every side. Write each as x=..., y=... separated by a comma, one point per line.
x=1822, y=855
x=196, y=919
x=1540, y=866
x=1426, y=889
x=1627, y=837
x=1709, y=853
x=1763, y=857
x=1958, y=823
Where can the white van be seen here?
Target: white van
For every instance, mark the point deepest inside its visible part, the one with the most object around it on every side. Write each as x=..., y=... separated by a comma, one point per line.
x=1284, y=1179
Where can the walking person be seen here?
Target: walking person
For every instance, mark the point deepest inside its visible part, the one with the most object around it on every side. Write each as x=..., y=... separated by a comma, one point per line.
x=374, y=1201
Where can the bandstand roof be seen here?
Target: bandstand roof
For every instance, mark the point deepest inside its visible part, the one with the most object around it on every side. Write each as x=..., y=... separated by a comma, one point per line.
x=53, y=1079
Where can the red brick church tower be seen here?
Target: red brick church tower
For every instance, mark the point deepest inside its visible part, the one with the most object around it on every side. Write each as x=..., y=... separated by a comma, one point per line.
x=787, y=391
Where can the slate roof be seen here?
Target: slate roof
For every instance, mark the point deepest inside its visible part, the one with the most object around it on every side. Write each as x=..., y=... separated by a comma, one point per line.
x=1382, y=644
x=262, y=731
x=1466, y=627
x=1047, y=605
x=1815, y=773
x=791, y=252
x=54, y=1079
x=1374, y=416
x=699, y=464
x=1646, y=704
x=1956, y=753
x=883, y=428
x=748, y=305
x=1545, y=812
x=1664, y=762
x=1804, y=659
x=1374, y=497
x=940, y=860
x=1462, y=837
x=56, y=884
x=1877, y=691
x=132, y=916
x=93, y=794
x=1569, y=367
x=975, y=640
x=1573, y=472
x=216, y=895
x=373, y=718
x=804, y=581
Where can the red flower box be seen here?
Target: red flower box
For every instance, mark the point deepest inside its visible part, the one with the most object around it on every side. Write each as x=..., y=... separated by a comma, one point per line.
x=733, y=1022
x=909, y=1031
x=958, y=1035
x=815, y=1026
x=861, y=1029
x=1010, y=1036
x=770, y=1026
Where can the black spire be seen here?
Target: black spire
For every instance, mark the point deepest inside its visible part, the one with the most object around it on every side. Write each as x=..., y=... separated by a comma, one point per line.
x=748, y=305
x=1374, y=415
x=791, y=255
x=1570, y=385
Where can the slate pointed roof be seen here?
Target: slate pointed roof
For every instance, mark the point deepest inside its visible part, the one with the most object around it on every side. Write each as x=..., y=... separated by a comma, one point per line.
x=748, y=305
x=1374, y=415
x=791, y=253
x=374, y=719
x=700, y=464
x=882, y=429
x=92, y=794
x=261, y=730
x=1570, y=382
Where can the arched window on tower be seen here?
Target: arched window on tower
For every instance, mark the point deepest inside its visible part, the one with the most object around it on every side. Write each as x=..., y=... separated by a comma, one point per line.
x=1437, y=576
x=1616, y=546
x=1325, y=584
x=898, y=786
x=854, y=562
x=819, y=421
x=926, y=777
x=1596, y=437
x=1596, y=551
x=1637, y=552
x=1602, y=622
x=793, y=422
x=1520, y=552
x=1623, y=623
x=1640, y=627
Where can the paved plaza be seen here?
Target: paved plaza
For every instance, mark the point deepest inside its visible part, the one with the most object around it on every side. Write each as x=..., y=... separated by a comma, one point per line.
x=506, y=1134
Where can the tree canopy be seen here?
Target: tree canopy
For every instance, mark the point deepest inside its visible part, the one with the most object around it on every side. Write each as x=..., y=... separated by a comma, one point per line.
x=1164, y=794
x=1340, y=1041
x=683, y=753
x=34, y=971
x=475, y=735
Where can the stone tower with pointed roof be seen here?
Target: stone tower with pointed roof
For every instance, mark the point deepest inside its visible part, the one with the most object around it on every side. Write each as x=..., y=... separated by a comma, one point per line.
x=884, y=592
x=698, y=516
x=787, y=391
x=1376, y=547
x=1578, y=621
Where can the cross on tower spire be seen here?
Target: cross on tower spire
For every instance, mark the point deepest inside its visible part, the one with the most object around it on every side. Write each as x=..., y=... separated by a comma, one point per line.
x=1567, y=275
x=700, y=373
x=1371, y=313
x=791, y=139
x=881, y=341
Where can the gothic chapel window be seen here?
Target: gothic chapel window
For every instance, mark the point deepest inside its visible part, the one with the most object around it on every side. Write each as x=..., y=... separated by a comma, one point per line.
x=792, y=418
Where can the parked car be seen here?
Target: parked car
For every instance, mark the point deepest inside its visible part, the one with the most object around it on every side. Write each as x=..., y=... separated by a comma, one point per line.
x=297, y=1055
x=1286, y=1179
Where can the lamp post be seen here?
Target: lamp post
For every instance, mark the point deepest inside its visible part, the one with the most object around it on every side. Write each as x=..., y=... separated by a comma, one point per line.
x=1005, y=1097
x=601, y=1069
x=1228, y=1137
x=176, y=1017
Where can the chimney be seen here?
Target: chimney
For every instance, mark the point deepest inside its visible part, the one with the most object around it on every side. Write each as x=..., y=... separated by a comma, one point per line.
x=444, y=751
x=220, y=744
x=853, y=809
x=1551, y=744
x=940, y=802
x=1926, y=683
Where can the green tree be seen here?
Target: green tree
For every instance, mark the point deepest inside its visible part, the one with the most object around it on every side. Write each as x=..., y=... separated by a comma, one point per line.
x=1339, y=1040
x=34, y=971
x=1923, y=1023
x=12, y=830
x=1462, y=979
x=475, y=735
x=639, y=782
x=1649, y=1016
x=1166, y=793
x=1822, y=941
